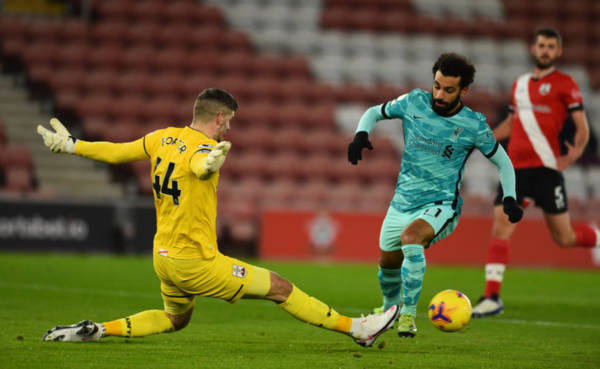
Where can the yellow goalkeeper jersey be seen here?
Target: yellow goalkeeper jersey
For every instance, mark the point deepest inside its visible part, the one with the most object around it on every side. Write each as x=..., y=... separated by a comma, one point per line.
x=186, y=206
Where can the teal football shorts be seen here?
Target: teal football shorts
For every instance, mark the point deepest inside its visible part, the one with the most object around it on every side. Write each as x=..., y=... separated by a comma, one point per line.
x=442, y=218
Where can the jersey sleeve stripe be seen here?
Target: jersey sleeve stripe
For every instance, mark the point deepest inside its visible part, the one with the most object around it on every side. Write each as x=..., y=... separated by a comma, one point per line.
x=144, y=144
x=575, y=106
x=383, y=111
x=493, y=151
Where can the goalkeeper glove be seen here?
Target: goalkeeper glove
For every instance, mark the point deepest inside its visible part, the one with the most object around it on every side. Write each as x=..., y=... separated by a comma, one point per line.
x=216, y=157
x=512, y=209
x=60, y=141
x=361, y=140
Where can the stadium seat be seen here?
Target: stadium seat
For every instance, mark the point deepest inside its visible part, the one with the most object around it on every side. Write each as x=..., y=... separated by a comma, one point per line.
x=73, y=55
x=73, y=30
x=110, y=32
x=94, y=106
x=16, y=156
x=122, y=131
x=18, y=179
x=44, y=53
x=105, y=57
x=101, y=81
x=143, y=33
x=285, y=165
x=114, y=10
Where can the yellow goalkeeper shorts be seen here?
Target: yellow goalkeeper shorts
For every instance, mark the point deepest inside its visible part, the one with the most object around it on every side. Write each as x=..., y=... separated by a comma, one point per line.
x=223, y=277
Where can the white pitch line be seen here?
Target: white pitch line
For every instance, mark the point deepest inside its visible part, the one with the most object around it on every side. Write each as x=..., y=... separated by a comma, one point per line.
x=357, y=310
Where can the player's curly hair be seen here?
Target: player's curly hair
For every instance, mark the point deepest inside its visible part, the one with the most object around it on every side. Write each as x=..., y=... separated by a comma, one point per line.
x=455, y=65
x=212, y=101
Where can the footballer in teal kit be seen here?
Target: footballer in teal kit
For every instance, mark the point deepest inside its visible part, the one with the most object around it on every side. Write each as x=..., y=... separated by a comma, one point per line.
x=440, y=133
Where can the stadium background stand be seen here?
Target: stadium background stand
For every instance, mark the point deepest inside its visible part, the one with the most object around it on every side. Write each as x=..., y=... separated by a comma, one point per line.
x=303, y=72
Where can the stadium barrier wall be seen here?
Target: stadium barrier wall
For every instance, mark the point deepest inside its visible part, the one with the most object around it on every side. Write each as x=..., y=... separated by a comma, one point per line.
x=77, y=227
x=355, y=237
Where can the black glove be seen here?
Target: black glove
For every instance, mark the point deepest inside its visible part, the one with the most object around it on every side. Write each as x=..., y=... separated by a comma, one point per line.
x=361, y=140
x=512, y=209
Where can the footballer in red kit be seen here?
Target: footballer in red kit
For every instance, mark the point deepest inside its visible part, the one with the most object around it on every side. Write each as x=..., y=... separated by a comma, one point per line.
x=540, y=107
x=541, y=102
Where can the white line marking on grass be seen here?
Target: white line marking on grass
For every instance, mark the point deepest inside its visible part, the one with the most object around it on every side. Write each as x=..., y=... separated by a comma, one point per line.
x=356, y=310
x=85, y=291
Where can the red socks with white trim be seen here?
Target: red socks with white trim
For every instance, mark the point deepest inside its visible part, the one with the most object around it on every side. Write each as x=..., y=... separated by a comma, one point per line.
x=495, y=266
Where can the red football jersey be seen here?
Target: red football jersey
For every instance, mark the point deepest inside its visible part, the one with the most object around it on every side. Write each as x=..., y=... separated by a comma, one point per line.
x=540, y=108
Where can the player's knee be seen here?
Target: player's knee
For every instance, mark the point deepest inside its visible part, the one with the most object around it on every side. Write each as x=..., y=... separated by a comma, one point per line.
x=563, y=239
x=180, y=321
x=391, y=260
x=410, y=237
x=281, y=288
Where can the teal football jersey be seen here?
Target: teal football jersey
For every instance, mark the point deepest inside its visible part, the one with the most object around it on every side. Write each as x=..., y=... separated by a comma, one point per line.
x=436, y=149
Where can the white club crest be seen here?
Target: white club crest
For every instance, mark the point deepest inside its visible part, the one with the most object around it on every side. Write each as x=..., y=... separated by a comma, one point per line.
x=545, y=88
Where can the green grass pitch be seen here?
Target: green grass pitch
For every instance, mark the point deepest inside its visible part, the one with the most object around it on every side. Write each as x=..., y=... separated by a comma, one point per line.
x=552, y=319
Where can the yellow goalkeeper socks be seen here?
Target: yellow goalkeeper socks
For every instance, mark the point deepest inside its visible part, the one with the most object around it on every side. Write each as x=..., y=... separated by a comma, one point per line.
x=309, y=309
x=139, y=325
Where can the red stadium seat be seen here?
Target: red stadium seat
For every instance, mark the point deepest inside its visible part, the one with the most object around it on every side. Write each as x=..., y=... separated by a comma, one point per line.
x=178, y=35
x=16, y=28
x=207, y=63
x=105, y=57
x=313, y=191
x=316, y=166
x=210, y=15
x=70, y=81
x=100, y=82
x=169, y=59
x=165, y=109
x=206, y=38
x=236, y=41
x=286, y=165
x=144, y=33
x=72, y=55
x=154, y=11
x=183, y=12
x=2, y=135
x=122, y=131
x=138, y=58
x=94, y=106
x=42, y=30
x=94, y=127
x=236, y=62
x=40, y=53
x=133, y=82
x=130, y=108
x=16, y=156
x=74, y=30
x=18, y=179
x=166, y=84
x=321, y=116
x=291, y=139
x=110, y=32
x=114, y=10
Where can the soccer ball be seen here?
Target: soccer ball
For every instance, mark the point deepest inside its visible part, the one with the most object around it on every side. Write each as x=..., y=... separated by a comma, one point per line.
x=450, y=310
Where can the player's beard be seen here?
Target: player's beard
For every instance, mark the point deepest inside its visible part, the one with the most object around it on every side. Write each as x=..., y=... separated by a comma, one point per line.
x=544, y=64
x=447, y=106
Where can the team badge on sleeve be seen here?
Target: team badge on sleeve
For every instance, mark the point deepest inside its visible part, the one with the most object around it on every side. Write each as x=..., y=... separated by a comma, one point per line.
x=239, y=271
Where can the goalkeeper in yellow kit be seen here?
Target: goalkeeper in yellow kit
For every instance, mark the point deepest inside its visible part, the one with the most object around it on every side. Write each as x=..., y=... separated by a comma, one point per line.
x=185, y=172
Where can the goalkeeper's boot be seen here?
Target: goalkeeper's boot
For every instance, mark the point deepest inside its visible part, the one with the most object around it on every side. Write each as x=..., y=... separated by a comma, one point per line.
x=85, y=330
x=365, y=330
x=488, y=306
x=406, y=325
